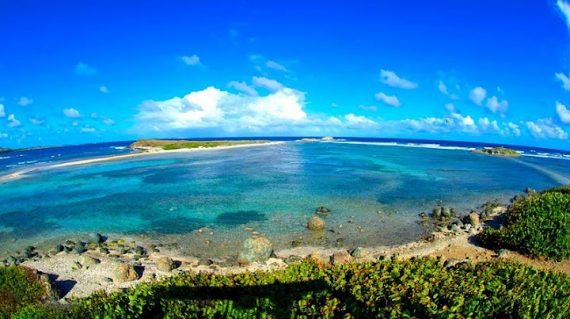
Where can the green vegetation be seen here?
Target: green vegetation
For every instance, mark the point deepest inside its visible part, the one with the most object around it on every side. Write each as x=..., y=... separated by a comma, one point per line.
x=536, y=224
x=18, y=287
x=498, y=151
x=415, y=288
x=182, y=144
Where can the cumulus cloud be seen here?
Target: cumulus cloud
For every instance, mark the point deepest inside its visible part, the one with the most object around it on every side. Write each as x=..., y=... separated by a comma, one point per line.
x=442, y=87
x=514, y=129
x=13, y=121
x=563, y=113
x=564, y=79
x=103, y=89
x=269, y=84
x=564, y=8
x=212, y=108
x=487, y=125
x=191, y=59
x=388, y=99
x=2, y=110
x=494, y=105
x=84, y=69
x=369, y=108
x=390, y=78
x=243, y=87
x=71, y=113
x=454, y=122
x=276, y=66
x=545, y=128
x=477, y=95
x=25, y=101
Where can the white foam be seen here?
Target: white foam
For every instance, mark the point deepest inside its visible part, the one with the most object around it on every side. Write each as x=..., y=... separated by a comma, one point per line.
x=416, y=145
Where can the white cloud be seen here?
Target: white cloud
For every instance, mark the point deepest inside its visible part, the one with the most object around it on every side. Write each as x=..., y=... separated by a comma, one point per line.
x=25, y=101
x=487, y=125
x=369, y=108
x=390, y=78
x=388, y=99
x=2, y=111
x=563, y=113
x=442, y=88
x=495, y=106
x=564, y=79
x=564, y=8
x=454, y=122
x=276, y=66
x=36, y=121
x=108, y=121
x=477, y=95
x=191, y=60
x=545, y=128
x=269, y=84
x=13, y=121
x=514, y=129
x=88, y=130
x=243, y=87
x=212, y=108
x=103, y=89
x=450, y=107
x=71, y=113
x=84, y=69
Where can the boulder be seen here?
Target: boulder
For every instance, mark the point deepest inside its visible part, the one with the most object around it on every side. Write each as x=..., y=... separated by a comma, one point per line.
x=446, y=212
x=254, y=249
x=96, y=238
x=319, y=258
x=437, y=212
x=322, y=211
x=124, y=273
x=89, y=261
x=473, y=219
x=165, y=264
x=52, y=292
x=79, y=248
x=316, y=223
x=341, y=257
x=359, y=253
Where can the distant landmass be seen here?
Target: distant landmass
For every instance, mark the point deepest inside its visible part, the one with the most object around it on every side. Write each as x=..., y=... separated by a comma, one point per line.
x=498, y=151
x=4, y=150
x=183, y=144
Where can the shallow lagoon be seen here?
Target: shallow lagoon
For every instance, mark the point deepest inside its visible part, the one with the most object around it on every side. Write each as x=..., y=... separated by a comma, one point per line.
x=205, y=200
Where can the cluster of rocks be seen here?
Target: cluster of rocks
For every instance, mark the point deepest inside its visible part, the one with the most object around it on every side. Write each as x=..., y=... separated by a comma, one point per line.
x=445, y=219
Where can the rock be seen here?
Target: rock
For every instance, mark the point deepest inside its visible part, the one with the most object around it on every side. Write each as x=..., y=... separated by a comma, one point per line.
x=452, y=212
x=316, y=223
x=293, y=259
x=124, y=273
x=79, y=248
x=423, y=215
x=107, y=280
x=341, y=257
x=103, y=251
x=454, y=227
x=437, y=211
x=57, y=248
x=502, y=253
x=452, y=262
x=12, y=261
x=322, y=211
x=52, y=292
x=467, y=227
x=140, y=251
x=96, y=238
x=446, y=212
x=473, y=219
x=359, y=252
x=456, y=221
x=320, y=259
x=165, y=264
x=254, y=249
x=296, y=243
x=75, y=265
x=89, y=261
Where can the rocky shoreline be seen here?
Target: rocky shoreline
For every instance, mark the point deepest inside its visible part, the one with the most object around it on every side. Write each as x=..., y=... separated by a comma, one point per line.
x=79, y=268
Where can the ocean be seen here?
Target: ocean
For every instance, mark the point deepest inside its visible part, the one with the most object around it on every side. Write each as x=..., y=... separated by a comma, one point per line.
x=207, y=202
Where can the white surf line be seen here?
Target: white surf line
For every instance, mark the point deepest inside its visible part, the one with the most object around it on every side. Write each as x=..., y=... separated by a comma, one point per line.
x=559, y=178
x=22, y=173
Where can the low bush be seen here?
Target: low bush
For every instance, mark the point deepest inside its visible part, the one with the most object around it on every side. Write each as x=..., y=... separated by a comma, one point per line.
x=18, y=287
x=416, y=288
x=537, y=225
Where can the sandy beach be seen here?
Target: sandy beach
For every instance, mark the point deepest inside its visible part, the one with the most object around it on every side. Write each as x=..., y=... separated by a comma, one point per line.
x=146, y=152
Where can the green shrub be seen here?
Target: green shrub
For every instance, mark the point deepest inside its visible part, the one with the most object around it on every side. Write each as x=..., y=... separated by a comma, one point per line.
x=561, y=189
x=416, y=288
x=18, y=287
x=537, y=225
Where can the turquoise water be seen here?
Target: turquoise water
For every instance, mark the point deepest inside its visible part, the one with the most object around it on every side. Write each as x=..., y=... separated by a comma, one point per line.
x=204, y=200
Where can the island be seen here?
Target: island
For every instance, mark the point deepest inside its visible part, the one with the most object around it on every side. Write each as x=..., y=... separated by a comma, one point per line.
x=497, y=151
x=168, y=145
x=4, y=150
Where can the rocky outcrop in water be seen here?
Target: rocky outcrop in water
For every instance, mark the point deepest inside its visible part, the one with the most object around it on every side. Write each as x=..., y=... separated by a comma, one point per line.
x=316, y=224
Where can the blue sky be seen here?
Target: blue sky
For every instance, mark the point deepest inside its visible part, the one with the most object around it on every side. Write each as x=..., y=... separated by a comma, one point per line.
x=93, y=71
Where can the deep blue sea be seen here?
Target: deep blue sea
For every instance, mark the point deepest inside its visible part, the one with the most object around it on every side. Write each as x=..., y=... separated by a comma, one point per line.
x=204, y=200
